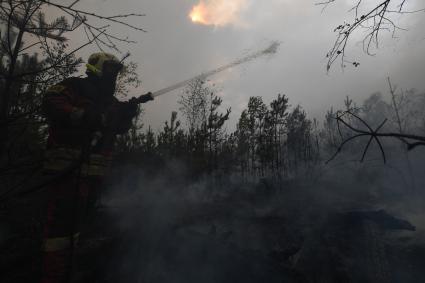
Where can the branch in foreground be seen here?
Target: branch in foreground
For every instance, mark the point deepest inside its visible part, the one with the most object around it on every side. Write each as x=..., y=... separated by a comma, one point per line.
x=411, y=141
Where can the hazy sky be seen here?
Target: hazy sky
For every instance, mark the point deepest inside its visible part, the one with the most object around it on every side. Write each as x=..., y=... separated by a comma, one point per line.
x=174, y=49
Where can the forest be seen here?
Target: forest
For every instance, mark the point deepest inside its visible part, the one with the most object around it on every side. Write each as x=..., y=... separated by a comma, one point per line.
x=279, y=197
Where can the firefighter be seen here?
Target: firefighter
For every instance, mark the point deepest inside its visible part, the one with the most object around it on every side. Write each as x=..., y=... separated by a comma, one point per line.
x=84, y=118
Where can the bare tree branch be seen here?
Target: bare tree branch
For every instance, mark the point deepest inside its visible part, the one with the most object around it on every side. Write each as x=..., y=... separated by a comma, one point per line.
x=374, y=20
x=411, y=141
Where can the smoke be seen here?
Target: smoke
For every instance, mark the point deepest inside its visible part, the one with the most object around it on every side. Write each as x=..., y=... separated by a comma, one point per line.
x=364, y=222
x=218, y=13
x=176, y=230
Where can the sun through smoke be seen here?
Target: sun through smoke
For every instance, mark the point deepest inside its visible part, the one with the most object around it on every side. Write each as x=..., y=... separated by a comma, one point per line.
x=217, y=12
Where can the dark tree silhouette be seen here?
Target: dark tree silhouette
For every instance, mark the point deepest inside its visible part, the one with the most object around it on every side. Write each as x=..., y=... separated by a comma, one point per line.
x=34, y=54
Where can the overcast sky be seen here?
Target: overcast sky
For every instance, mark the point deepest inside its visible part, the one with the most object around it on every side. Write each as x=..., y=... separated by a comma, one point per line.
x=174, y=49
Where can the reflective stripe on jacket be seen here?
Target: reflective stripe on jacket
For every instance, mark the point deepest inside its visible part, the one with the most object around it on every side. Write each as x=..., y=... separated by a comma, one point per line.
x=60, y=159
x=59, y=243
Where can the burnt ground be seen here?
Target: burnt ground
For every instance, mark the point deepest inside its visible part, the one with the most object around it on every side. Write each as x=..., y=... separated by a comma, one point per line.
x=170, y=232
x=260, y=233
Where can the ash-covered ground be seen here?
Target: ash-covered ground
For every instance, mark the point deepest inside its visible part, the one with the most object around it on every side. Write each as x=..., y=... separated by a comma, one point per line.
x=345, y=223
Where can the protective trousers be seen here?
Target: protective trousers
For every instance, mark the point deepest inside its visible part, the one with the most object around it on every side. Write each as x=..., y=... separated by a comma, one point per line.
x=66, y=208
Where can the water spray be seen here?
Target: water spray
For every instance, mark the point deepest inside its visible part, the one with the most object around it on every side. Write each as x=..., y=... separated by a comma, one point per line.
x=272, y=49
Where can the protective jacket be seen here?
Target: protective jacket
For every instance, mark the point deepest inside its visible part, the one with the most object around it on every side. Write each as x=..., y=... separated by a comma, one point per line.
x=67, y=106
x=77, y=110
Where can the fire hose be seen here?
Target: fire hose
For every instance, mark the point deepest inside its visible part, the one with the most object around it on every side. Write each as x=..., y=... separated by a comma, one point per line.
x=270, y=50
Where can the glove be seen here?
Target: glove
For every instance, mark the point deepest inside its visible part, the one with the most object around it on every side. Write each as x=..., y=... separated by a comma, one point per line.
x=146, y=97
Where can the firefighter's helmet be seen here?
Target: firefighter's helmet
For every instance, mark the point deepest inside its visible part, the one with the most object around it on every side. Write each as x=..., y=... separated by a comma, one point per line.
x=100, y=62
